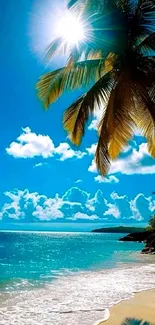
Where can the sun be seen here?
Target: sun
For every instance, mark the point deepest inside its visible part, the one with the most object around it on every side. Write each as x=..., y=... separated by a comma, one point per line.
x=71, y=28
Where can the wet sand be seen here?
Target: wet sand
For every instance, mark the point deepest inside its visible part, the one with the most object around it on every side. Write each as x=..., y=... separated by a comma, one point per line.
x=141, y=306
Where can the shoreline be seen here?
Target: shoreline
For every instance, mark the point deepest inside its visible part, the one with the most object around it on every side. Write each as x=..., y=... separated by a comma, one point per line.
x=140, y=306
x=133, y=307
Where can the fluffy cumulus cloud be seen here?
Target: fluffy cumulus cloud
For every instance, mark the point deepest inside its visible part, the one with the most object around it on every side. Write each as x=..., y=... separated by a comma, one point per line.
x=84, y=216
x=134, y=160
x=75, y=205
x=141, y=205
x=30, y=145
x=112, y=210
x=92, y=149
x=13, y=209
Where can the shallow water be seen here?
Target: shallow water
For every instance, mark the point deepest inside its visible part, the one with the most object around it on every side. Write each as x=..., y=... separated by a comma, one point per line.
x=64, y=278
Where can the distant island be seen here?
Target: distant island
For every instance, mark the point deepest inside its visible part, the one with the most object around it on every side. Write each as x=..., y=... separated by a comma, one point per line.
x=119, y=230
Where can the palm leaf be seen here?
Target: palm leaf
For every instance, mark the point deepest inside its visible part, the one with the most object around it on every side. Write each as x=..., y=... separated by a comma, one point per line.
x=71, y=3
x=57, y=47
x=87, y=53
x=148, y=43
x=143, y=109
x=109, y=62
x=102, y=153
x=134, y=321
x=142, y=21
x=144, y=116
x=120, y=45
x=152, y=93
x=145, y=10
x=121, y=125
x=76, y=116
x=53, y=84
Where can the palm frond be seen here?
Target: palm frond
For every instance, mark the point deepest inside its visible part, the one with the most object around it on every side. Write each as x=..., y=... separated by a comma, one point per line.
x=71, y=3
x=74, y=56
x=57, y=47
x=93, y=54
x=109, y=62
x=144, y=116
x=147, y=127
x=142, y=22
x=45, y=84
x=102, y=153
x=116, y=62
x=134, y=321
x=148, y=44
x=53, y=84
x=86, y=53
x=152, y=93
x=128, y=7
x=145, y=9
x=76, y=116
x=121, y=125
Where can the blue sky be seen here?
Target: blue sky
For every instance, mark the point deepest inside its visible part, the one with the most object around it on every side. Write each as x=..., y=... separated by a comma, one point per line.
x=44, y=178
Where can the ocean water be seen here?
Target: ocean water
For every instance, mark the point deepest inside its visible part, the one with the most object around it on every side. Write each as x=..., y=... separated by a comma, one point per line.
x=65, y=278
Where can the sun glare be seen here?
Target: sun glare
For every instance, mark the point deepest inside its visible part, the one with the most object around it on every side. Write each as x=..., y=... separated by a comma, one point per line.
x=71, y=29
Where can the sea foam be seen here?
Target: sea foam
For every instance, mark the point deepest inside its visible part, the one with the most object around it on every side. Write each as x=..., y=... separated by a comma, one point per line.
x=79, y=298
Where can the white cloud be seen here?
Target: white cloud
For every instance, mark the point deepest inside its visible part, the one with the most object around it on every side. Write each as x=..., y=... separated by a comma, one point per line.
x=39, y=165
x=109, y=179
x=122, y=203
x=23, y=204
x=48, y=212
x=134, y=160
x=30, y=145
x=41, y=207
x=138, y=161
x=92, y=149
x=65, y=152
x=140, y=206
x=13, y=209
x=112, y=210
x=92, y=168
x=97, y=203
x=96, y=120
x=135, y=212
x=75, y=205
x=78, y=181
x=83, y=216
x=33, y=198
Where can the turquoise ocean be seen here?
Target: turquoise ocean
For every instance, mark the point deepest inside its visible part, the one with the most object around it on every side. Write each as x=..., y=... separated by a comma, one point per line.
x=68, y=278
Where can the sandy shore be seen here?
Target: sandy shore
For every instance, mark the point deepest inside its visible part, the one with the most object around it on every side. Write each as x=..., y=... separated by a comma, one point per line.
x=141, y=306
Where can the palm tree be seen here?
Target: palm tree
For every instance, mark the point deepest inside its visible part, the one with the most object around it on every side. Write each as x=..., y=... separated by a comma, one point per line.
x=116, y=65
x=134, y=321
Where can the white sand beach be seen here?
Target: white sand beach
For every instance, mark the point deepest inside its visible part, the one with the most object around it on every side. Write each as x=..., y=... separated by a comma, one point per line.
x=141, y=306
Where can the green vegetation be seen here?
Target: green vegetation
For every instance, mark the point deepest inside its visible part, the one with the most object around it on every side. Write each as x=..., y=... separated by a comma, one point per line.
x=152, y=223
x=116, y=64
x=119, y=230
x=134, y=321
